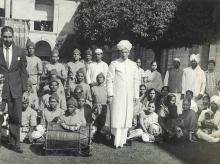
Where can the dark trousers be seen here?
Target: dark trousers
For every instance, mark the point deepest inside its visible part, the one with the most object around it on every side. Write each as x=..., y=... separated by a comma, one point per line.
x=100, y=119
x=14, y=113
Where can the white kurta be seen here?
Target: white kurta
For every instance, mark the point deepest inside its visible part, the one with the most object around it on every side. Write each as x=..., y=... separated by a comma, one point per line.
x=123, y=84
x=94, y=69
x=194, y=80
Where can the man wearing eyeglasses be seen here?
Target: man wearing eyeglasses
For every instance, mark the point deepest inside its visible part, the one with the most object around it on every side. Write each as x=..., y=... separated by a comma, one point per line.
x=96, y=68
x=13, y=66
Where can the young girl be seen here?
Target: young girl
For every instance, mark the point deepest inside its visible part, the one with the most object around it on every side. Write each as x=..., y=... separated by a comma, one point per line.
x=150, y=128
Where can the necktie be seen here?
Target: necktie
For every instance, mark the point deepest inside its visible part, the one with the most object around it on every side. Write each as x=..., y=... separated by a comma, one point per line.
x=7, y=57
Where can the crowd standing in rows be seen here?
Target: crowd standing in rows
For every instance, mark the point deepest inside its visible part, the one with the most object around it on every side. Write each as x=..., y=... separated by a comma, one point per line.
x=131, y=102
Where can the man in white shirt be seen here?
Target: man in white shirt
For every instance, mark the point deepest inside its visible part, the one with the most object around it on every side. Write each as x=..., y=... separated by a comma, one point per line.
x=96, y=68
x=194, y=78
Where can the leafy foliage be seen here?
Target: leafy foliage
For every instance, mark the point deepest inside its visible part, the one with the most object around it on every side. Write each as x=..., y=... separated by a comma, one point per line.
x=157, y=23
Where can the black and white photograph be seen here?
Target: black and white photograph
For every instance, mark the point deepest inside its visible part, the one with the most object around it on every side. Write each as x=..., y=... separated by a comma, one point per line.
x=110, y=81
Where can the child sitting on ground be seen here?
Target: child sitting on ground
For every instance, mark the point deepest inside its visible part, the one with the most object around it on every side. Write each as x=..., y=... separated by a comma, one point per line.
x=150, y=128
x=74, y=117
x=52, y=113
x=28, y=121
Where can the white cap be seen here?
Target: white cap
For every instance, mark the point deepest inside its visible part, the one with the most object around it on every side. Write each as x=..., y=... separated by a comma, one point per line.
x=98, y=51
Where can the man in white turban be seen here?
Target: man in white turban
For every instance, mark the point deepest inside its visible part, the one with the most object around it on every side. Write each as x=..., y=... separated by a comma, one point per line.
x=194, y=78
x=122, y=88
x=209, y=122
x=97, y=67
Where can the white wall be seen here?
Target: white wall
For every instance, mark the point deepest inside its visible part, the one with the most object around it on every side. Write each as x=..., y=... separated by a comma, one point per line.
x=65, y=16
x=2, y=3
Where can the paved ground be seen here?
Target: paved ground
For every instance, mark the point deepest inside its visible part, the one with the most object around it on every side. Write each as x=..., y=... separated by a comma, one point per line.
x=196, y=153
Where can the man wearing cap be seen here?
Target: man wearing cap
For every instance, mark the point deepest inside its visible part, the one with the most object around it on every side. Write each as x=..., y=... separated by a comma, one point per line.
x=76, y=64
x=54, y=64
x=96, y=67
x=122, y=89
x=34, y=66
x=212, y=78
x=173, y=78
x=194, y=78
x=13, y=66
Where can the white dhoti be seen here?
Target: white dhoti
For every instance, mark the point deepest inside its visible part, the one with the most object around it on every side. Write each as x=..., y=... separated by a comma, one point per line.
x=120, y=136
x=207, y=137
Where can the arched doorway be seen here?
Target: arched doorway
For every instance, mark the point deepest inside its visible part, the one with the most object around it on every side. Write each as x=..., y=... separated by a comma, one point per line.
x=43, y=50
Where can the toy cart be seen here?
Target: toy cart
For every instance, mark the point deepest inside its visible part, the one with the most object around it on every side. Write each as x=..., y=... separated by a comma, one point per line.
x=61, y=139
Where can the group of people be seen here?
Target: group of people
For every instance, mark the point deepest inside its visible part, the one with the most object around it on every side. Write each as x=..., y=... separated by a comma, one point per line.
x=131, y=102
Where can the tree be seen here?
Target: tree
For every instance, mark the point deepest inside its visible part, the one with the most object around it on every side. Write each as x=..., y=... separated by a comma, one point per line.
x=108, y=21
x=155, y=23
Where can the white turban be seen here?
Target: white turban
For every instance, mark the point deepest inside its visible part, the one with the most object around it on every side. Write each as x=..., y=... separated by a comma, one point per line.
x=124, y=44
x=216, y=100
x=98, y=51
x=176, y=59
x=195, y=57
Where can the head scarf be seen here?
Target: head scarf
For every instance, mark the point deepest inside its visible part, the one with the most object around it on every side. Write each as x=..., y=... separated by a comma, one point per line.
x=216, y=100
x=176, y=59
x=195, y=57
x=124, y=44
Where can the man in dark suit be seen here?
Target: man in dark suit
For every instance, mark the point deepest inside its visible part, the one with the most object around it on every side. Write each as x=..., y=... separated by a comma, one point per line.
x=13, y=66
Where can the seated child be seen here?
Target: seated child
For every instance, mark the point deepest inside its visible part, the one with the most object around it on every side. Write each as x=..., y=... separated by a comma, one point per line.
x=74, y=117
x=150, y=128
x=52, y=113
x=28, y=121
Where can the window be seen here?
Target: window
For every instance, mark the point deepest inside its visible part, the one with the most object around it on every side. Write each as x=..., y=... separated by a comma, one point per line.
x=2, y=12
x=43, y=26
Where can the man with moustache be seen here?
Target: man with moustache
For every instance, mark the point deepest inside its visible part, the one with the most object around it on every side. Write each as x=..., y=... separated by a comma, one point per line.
x=13, y=66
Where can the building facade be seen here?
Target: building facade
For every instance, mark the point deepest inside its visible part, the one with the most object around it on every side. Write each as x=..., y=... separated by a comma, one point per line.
x=44, y=22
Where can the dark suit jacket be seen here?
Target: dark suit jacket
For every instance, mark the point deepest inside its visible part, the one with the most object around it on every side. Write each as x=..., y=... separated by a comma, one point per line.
x=16, y=76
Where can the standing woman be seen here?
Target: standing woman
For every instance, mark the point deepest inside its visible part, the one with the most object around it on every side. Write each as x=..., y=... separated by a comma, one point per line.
x=122, y=89
x=153, y=78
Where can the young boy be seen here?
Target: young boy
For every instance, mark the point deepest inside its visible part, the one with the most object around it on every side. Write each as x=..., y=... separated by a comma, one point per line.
x=188, y=96
x=53, y=112
x=53, y=85
x=74, y=117
x=34, y=66
x=28, y=121
x=75, y=65
x=99, y=97
x=50, y=113
x=54, y=64
x=80, y=80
